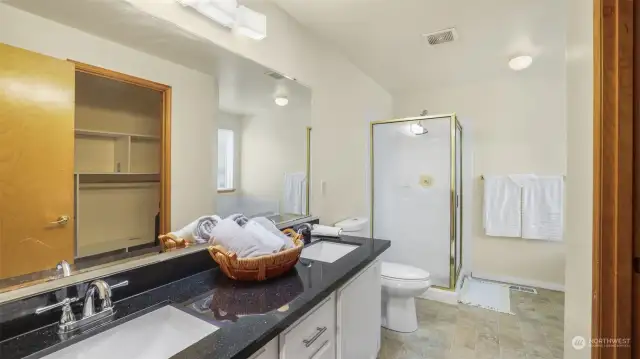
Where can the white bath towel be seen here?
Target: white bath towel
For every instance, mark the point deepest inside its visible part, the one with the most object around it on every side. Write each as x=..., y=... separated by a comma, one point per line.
x=542, y=208
x=239, y=218
x=234, y=238
x=271, y=227
x=502, y=207
x=267, y=240
x=198, y=231
x=295, y=193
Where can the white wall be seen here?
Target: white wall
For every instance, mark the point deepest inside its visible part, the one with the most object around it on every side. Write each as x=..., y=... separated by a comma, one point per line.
x=193, y=106
x=518, y=125
x=233, y=122
x=579, y=182
x=274, y=144
x=344, y=101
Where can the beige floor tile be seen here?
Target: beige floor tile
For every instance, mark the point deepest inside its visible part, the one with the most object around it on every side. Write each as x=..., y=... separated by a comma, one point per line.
x=464, y=332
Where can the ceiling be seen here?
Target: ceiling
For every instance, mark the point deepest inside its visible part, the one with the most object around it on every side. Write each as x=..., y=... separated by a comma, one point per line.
x=383, y=37
x=244, y=87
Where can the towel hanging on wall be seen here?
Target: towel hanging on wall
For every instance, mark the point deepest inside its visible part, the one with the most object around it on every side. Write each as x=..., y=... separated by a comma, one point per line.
x=502, y=207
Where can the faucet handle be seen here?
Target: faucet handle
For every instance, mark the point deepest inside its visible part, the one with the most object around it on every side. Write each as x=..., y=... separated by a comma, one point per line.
x=63, y=303
x=67, y=313
x=121, y=284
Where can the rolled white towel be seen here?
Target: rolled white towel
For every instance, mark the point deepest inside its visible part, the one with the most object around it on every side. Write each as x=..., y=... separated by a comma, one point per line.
x=204, y=227
x=239, y=218
x=326, y=231
x=271, y=227
x=266, y=239
x=234, y=238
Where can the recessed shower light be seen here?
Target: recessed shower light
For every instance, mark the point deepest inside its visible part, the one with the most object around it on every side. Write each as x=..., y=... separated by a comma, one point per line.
x=281, y=100
x=519, y=63
x=417, y=129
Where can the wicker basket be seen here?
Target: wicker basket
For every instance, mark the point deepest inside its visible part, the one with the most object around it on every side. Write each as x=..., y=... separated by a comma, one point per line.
x=258, y=268
x=169, y=242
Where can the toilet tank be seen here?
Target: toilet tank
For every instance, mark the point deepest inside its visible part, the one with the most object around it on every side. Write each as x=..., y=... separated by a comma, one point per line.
x=354, y=226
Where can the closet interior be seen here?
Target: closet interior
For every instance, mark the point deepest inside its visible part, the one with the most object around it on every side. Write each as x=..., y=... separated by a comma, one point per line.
x=118, y=158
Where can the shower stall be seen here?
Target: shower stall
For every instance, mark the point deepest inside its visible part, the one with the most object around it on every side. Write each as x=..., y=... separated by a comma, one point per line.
x=416, y=193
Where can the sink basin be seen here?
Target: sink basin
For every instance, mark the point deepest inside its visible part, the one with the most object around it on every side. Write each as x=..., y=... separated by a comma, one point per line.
x=328, y=252
x=155, y=335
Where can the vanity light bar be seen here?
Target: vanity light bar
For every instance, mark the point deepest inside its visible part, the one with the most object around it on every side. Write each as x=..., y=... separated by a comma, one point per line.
x=227, y=13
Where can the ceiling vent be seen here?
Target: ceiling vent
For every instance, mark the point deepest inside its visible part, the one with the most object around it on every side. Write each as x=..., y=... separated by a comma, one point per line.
x=274, y=75
x=441, y=37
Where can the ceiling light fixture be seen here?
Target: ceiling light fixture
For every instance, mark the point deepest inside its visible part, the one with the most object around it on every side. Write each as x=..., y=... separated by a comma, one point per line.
x=281, y=100
x=519, y=63
x=251, y=24
x=227, y=13
x=221, y=11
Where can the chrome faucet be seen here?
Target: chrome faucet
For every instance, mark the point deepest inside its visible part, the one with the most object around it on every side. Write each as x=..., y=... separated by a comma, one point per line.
x=68, y=322
x=63, y=269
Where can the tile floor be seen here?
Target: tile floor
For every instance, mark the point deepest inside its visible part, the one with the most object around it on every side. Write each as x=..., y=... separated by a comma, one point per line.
x=462, y=332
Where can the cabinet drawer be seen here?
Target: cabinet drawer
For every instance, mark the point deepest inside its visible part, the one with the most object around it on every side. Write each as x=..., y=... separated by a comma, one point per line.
x=313, y=337
x=269, y=351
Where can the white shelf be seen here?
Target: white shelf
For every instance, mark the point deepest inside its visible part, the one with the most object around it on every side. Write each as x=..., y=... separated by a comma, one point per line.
x=92, y=133
x=117, y=177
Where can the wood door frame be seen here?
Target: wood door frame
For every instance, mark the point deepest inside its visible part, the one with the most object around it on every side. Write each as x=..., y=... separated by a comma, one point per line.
x=165, y=165
x=613, y=202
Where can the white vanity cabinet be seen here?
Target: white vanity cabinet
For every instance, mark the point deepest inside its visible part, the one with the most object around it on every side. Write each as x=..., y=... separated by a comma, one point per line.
x=269, y=351
x=346, y=325
x=314, y=335
x=358, y=315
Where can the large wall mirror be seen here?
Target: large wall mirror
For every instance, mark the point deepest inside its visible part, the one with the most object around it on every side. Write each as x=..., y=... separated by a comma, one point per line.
x=92, y=167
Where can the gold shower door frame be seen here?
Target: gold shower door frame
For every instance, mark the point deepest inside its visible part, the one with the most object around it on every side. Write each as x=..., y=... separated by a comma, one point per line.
x=454, y=268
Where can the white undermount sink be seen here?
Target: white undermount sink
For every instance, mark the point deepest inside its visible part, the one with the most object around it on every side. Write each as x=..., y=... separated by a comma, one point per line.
x=328, y=252
x=155, y=335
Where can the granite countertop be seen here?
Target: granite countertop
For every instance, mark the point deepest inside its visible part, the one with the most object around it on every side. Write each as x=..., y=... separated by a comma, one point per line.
x=249, y=314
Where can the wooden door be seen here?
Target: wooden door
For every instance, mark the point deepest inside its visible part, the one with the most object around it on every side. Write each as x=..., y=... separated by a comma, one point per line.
x=36, y=161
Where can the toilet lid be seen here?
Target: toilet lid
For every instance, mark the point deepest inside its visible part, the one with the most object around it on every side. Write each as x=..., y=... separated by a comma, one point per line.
x=404, y=272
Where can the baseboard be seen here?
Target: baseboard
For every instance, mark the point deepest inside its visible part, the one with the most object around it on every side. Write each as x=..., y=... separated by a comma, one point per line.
x=440, y=295
x=512, y=280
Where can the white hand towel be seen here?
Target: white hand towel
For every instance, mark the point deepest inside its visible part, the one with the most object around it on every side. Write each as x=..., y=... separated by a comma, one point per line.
x=268, y=241
x=326, y=231
x=295, y=193
x=271, y=227
x=234, y=238
x=502, y=207
x=542, y=208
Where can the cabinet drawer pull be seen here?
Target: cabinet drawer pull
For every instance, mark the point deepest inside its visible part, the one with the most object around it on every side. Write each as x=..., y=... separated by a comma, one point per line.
x=260, y=352
x=308, y=342
x=321, y=350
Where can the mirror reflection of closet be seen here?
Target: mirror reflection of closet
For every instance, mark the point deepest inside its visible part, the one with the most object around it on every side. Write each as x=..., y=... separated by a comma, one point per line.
x=118, y=150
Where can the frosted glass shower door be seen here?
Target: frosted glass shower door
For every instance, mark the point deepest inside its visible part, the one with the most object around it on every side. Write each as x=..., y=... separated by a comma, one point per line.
x=412, y=194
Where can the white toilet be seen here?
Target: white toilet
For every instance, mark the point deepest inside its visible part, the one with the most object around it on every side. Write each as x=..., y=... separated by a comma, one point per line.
x=400, y=284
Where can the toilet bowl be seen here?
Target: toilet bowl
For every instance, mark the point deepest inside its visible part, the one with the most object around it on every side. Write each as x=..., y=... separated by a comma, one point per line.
x=400, y=285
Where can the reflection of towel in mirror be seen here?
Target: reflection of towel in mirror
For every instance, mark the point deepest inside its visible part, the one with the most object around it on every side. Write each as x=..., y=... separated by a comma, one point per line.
x=234, y=238
x=198, y=231
x=204, y=227
x=271, y=227
x=294, y=193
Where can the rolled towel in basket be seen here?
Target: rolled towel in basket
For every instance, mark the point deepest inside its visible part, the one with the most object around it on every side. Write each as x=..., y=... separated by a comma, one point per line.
x=271, y=227
x=239, y=218
x=204, y=228
x=267, y=238
x=198, y=231
x=234, y=238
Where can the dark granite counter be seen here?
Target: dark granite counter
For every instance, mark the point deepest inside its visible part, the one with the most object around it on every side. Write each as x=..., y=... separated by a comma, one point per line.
x=249, y=314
